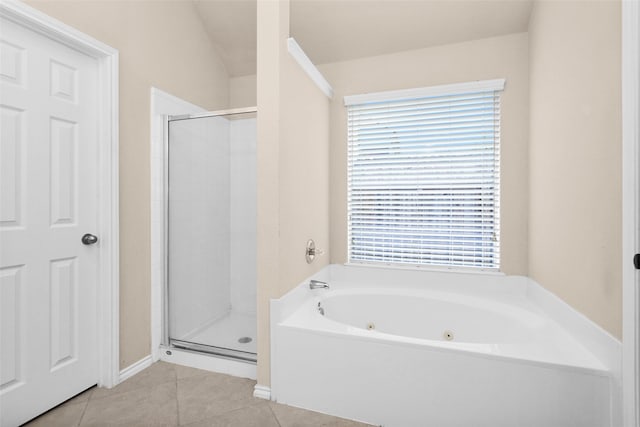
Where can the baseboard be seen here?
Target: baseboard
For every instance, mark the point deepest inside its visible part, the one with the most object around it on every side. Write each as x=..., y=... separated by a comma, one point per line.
x=262, y=392
x=133, y=369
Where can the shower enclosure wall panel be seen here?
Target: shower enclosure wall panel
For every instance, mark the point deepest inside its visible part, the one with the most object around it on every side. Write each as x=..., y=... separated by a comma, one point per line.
x=199, y=217
x=243, y=216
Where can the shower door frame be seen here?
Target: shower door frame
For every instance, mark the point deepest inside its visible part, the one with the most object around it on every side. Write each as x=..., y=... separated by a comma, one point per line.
x=166, y=340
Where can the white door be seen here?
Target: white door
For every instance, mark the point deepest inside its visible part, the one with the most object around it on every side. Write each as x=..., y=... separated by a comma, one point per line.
x=48, y=179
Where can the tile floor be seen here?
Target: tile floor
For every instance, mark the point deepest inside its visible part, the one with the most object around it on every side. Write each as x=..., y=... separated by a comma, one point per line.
x=172, y=395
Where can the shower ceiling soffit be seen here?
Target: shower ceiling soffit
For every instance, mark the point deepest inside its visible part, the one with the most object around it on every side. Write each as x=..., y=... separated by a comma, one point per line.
x=339, y=30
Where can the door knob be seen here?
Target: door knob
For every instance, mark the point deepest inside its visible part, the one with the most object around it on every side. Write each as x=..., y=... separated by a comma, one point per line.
x=89, y=239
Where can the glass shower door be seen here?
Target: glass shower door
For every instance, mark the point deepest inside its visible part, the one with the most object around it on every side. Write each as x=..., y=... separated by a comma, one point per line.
x=211, y=248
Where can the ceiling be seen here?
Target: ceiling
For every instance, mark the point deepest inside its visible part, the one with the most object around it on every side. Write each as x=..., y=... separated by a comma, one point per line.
x=231, y=25
x=338, y=30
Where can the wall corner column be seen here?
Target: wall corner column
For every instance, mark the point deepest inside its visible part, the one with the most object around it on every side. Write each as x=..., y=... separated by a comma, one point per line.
x=272, y=29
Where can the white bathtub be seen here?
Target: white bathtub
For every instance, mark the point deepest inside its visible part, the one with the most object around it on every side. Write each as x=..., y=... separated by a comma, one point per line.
x=406, y=348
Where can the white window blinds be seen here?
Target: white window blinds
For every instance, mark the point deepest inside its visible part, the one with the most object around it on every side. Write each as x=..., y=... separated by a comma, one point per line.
x=424, y=176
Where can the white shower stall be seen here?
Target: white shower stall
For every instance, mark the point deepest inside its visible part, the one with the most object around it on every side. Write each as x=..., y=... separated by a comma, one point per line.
x=210, y=299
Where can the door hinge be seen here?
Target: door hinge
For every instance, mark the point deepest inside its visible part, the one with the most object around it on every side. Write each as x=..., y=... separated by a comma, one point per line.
x=636, y=261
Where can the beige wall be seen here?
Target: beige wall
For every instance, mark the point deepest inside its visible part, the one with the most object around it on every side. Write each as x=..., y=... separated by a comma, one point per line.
x=155, y=41
x=575, y=148
x=560, y=219
x=500, y=57
x=293, y=170
x=242, y=91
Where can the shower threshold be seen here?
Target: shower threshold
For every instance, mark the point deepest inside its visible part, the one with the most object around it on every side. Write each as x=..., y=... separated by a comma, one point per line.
x=217, y=351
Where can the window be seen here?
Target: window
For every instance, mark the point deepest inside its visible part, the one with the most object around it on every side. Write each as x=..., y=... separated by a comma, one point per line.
x=424, y=176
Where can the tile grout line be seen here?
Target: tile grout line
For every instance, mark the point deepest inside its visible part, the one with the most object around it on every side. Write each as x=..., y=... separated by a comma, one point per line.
x=84, y=410
x=177, y=400
x=135, y=389
x=273, y=413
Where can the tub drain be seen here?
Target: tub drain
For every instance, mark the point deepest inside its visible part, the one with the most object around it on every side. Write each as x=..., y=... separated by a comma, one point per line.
x=244, y=340
x=371, y=326
x=447, y=335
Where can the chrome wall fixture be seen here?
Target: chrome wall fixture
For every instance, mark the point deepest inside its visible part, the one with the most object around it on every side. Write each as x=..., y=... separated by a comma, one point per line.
x=311, y=251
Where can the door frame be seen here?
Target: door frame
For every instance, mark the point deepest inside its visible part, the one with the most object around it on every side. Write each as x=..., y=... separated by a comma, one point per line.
x=107, y=304
x=630, y=211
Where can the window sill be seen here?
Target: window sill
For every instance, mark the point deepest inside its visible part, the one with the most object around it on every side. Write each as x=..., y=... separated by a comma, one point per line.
x=431, y=268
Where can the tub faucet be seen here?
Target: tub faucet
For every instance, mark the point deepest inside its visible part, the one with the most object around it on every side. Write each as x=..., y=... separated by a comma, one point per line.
x=317, y=284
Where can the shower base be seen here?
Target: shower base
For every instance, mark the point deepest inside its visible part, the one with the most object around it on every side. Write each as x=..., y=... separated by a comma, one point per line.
x=234, y=331
x=208, y=362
